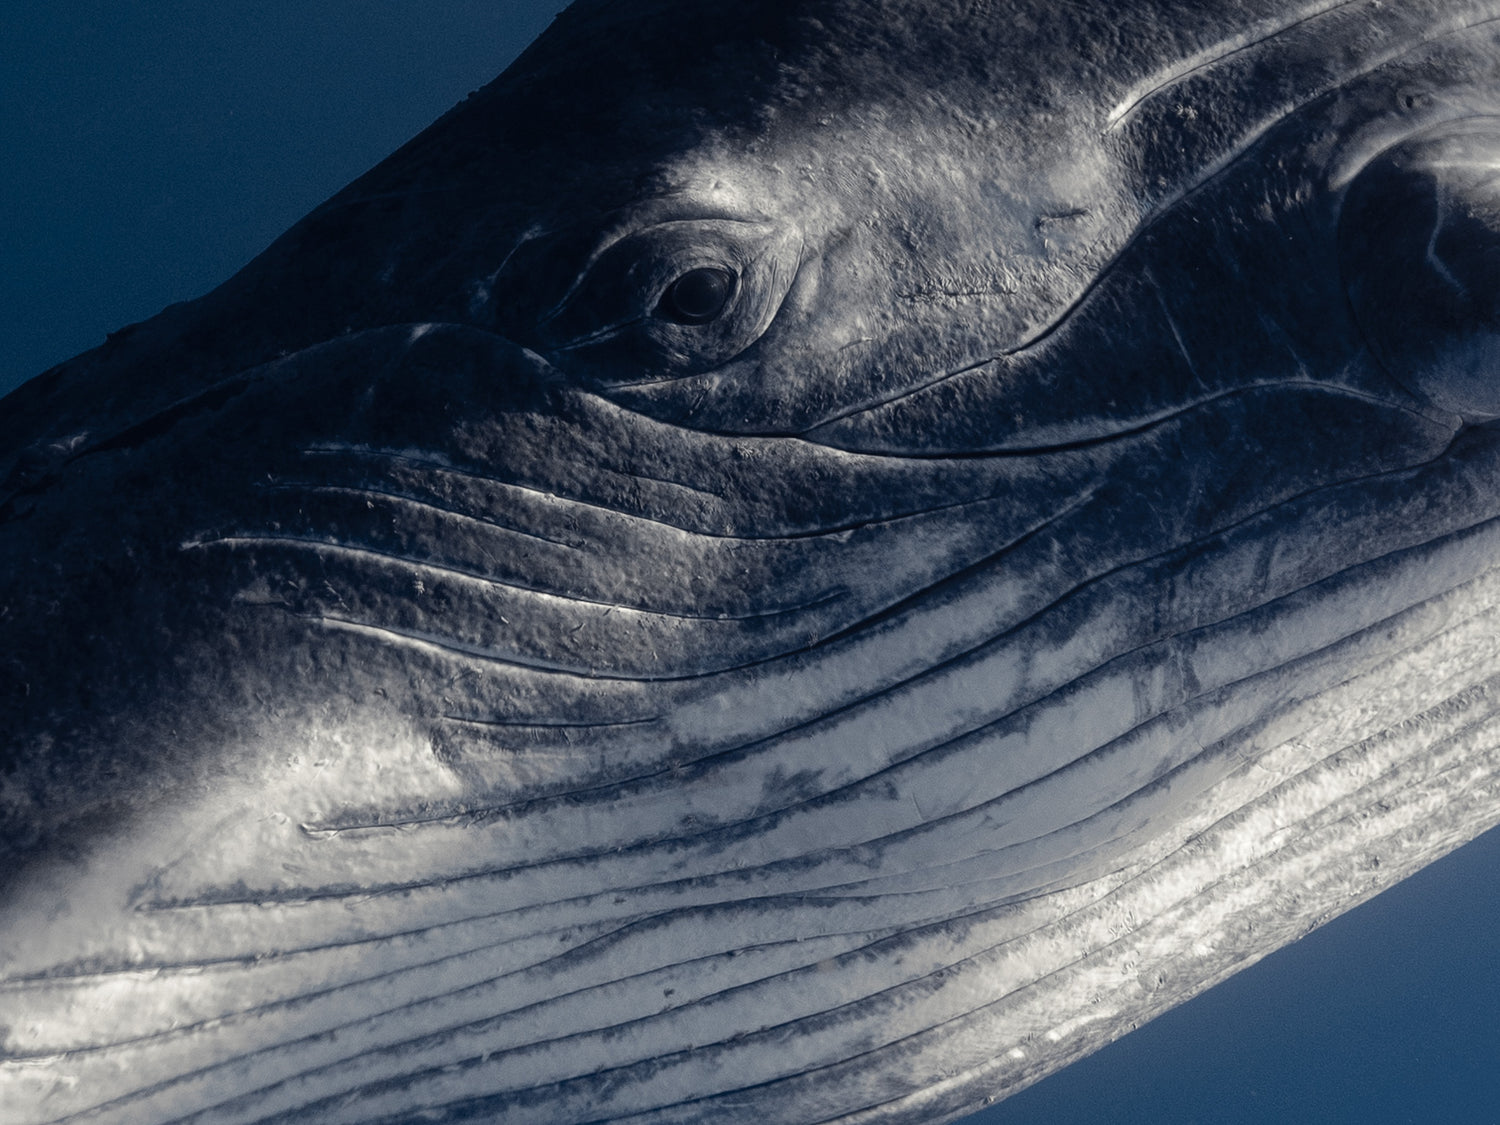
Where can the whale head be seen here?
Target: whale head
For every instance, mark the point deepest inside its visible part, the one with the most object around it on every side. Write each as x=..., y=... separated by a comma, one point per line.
x=803, y=561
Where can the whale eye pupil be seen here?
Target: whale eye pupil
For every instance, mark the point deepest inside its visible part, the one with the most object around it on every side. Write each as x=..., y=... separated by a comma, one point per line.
x=697, y=296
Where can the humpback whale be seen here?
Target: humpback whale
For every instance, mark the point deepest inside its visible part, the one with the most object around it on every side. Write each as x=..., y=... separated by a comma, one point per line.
x=799, y=563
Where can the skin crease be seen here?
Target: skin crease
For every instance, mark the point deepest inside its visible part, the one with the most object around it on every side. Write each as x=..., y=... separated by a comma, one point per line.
x=1184, y=1069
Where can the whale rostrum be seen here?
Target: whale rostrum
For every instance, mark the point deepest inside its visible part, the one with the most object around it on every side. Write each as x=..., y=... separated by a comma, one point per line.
x=802, y=561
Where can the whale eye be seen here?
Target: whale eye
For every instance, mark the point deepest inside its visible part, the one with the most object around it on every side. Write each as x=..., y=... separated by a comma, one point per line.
x=665, y=300
x=698, y=296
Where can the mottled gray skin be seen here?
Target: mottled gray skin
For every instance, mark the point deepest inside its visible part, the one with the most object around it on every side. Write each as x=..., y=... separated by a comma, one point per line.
x=444, y=676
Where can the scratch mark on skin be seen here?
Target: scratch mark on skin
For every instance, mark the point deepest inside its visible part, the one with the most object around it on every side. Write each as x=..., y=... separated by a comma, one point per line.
x=517, y=725
x=895, y=396
x=675, y=484
x=1166, y=311
x=1435, y=259
x=1044, y=221
x=936, y=295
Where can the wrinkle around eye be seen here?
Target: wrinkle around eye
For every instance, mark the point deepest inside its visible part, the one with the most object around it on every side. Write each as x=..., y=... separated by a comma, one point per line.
x=631, y=320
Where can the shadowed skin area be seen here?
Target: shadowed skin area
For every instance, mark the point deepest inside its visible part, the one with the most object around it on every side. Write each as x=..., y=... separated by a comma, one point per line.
x=807, y=562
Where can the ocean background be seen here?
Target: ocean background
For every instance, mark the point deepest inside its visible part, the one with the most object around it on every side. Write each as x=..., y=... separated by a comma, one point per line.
x=149, y=149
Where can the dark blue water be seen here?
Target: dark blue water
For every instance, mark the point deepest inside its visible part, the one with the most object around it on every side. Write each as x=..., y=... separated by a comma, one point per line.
x=149, y=148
